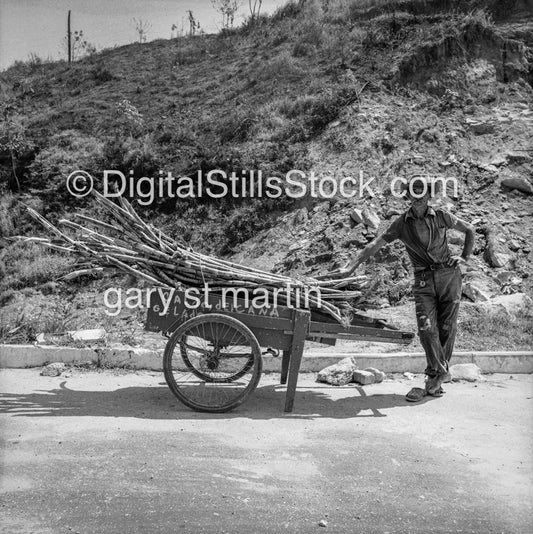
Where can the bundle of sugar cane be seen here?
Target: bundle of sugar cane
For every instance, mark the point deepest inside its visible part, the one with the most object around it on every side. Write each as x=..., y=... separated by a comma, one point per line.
x=132, y=246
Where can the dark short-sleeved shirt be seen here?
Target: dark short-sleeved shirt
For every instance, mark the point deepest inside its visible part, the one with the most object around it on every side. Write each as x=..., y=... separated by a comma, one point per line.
x=437, y=251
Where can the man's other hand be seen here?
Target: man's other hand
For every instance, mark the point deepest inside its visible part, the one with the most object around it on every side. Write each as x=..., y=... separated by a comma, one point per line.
x=454, y=261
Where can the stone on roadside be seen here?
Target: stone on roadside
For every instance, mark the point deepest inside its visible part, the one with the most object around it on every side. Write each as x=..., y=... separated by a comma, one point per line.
x=338, y=374
x=522, y=184
x=379, y=376
x=363, y=377
x=53, y=369
x=466, y=371
x=94, y=334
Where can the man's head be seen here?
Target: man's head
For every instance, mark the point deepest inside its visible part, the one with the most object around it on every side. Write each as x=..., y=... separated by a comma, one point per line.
x=418, y=190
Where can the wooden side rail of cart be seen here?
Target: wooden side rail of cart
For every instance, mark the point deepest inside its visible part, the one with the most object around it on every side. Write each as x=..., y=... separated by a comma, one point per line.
x=213, y=359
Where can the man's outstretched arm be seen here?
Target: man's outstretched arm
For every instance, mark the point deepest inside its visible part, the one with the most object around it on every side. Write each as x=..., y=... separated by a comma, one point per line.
x=359, y=258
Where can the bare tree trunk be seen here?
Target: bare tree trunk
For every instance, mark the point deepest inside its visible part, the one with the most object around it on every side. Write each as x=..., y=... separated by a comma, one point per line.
x=69, y=38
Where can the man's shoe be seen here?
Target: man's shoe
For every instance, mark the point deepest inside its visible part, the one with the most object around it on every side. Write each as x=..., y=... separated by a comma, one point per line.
x=433, y=385
x=415, y=395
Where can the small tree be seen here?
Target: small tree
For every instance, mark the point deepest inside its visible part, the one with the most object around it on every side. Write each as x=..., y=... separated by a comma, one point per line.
x=141, y=29
x=255, y=10
x=79, y=46
x=227, y=8
x=193, y=23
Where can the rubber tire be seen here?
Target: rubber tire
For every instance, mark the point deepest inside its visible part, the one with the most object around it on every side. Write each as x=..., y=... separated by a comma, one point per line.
x=220, y=319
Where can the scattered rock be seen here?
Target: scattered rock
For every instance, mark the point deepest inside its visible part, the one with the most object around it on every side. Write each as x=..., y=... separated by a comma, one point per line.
x=95, y=334
x=338, y=374
x=322, y=523
x=496, y=253
x=514, y=245
x=466, y=371
x=512, y=304
x=53, y=369
x=357, y=216
x=409, y=376
x=300, y=216
x=517, y=157
x=498, y=161
x=364, y=377
x=480, y=126
x=393, y=212
x=475, y=293
x=370, y=218
x=322, y=207
x=379, y=376
x=521, y=184
x=299, y=244
x=504, y=277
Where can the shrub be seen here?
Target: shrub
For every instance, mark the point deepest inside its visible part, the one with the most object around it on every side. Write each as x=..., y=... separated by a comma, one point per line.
x=303, y=50
x=237, y=125
x=100, y=74
x=244, y=223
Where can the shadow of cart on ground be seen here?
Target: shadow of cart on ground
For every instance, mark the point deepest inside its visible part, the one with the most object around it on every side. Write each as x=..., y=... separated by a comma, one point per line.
x=157, y=402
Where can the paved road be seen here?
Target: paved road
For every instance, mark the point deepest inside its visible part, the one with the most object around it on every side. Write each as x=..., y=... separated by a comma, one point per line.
x=116, y=453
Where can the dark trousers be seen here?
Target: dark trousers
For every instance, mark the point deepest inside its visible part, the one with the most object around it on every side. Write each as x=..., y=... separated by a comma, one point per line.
x=437, y=298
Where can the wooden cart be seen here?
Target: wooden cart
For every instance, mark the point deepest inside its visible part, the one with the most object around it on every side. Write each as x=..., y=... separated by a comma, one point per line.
x=213, y=358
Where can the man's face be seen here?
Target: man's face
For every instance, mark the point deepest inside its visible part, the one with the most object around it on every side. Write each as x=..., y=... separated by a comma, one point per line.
x=417, y=199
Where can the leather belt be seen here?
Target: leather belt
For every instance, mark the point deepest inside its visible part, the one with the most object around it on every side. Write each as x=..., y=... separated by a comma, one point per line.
x=433, y=267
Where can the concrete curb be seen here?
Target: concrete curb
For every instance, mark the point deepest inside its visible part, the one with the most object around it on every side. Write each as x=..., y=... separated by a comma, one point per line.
x=21, y=356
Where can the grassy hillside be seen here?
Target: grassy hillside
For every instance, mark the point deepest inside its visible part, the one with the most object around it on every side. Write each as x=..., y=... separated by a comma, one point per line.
x=333, y=87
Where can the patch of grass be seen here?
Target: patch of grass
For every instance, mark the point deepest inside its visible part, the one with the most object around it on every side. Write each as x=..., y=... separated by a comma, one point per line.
x=20, y=326
x=28, y=264
x=495, y=330
x=281, y=67
x=8, y=214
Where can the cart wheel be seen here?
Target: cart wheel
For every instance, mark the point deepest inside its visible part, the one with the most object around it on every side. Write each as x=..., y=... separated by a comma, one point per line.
x=197, y=365
x=212, y=362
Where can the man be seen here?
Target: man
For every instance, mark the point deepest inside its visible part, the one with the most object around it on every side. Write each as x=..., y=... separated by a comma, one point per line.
x=437, y=277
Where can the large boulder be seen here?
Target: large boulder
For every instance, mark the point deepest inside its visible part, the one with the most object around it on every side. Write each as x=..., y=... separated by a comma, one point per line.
x=338, y=374
x=496, y=253
x=521, y=184
x=379, y=376
x=53, y=369
x=511, y=304
x=466, y=371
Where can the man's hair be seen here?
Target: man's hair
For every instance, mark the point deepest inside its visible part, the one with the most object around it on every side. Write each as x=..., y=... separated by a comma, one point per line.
x=422, y=182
